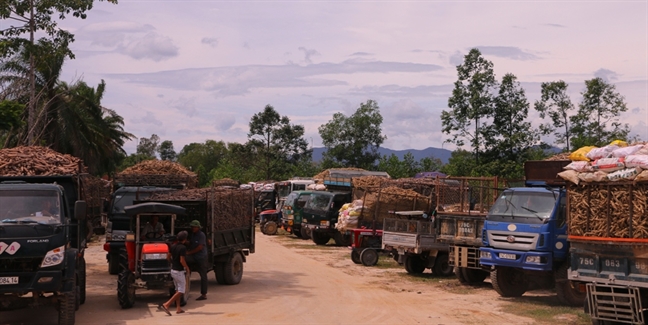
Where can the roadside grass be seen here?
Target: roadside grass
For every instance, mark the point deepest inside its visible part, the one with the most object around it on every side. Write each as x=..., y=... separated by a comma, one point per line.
x=545, y=310
x=386, y=262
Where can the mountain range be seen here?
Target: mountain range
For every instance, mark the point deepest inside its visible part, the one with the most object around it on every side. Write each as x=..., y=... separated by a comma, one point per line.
x=443, y=154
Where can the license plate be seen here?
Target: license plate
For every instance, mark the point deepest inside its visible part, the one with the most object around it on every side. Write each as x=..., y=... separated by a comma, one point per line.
x=8, y=280
x=507, y=256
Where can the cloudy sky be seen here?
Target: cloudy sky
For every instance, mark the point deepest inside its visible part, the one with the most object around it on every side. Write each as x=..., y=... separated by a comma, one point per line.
x=196, y=70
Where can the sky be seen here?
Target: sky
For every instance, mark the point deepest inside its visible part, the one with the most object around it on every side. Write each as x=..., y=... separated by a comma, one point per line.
x=190, y=71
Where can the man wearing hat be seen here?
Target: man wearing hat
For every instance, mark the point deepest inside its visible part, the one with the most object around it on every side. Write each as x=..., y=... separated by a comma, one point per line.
x=197, y=256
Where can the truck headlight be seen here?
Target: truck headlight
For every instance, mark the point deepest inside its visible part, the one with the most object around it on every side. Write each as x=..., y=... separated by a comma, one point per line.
x=483, y=254
x=53, y=257
x=156, y=256
x=533, y=259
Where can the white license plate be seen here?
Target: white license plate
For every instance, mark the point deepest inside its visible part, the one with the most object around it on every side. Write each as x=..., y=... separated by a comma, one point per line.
x=507, y=256
x=8, y=280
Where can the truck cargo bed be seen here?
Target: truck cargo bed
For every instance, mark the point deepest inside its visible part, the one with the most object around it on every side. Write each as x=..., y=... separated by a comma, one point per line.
x=610, y=262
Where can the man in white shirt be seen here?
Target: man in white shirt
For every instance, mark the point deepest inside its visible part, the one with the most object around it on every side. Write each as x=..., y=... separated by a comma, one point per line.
x=153, y=229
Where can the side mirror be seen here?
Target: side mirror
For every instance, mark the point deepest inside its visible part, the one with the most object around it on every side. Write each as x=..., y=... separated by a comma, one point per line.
x=80, y=210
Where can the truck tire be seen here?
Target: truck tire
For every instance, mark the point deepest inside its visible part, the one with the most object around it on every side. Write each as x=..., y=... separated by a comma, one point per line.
x=414, y=264
x=219, y=272
x=441, y=266
x=369, y=257
x=113, y=263
x=233, y=271
x=305, y=233
x=342, y=240
x=320, y=238
x=355, y=256
x=126, y=289
x=474, y=276
x=66, y=308
x=270, y=228
x=509, y=282
x=460, y=276
x=568, y=291
x=82, y=280
x=296, y=233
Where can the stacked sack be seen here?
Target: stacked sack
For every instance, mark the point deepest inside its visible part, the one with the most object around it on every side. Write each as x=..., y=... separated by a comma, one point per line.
x=349, y=214
x=614, y=162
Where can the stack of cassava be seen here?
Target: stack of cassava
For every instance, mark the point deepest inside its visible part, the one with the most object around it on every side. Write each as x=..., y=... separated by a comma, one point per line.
x=157, y=173
x=608, y=191
x=225, y=182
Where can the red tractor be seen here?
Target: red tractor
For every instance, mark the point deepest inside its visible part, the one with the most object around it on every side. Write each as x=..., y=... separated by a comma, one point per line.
x=145, y=263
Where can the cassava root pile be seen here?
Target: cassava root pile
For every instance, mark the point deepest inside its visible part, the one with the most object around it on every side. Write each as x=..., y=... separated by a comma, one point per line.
x=225, y=182
x=37, y=161
x=327, y=173
x=157, y=173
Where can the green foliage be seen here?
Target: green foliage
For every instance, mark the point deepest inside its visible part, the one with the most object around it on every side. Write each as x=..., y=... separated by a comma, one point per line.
x=430, y=164
x=208, y=154
x=408, y=167
x=353, y=141
x=203, y=176
x=278, y=144
x=166, y=151
x=597, y=120
x=10, y=114
x=148, y=146
x=556, y=104
x=471, y=102
x=461, y=163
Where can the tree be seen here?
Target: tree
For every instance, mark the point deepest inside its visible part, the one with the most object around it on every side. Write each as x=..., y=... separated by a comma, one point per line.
x=353, y=141
x=461, y=163
x=510, y=136
x=34, y=17
x=10, y=114
x=278, y=143
x=597, y=120
x=148, y=146
x=166, y=150
x=208, y=154
x=430, y=164
x=556, y=104
x=471, y=102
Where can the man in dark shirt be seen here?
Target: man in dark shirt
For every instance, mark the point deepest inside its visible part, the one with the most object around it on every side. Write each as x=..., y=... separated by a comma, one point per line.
x=197, y=256
x=179, y=266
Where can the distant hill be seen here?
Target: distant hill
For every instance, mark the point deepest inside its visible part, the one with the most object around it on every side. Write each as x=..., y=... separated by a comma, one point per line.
x=443, y=154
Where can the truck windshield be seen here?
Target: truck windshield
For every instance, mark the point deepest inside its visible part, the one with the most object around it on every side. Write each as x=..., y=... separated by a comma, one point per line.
x=299, y=187
x=127, y=198
x=319, y=202
x=290, y=200
x=523, y=204
x=24, y=207
x=283, y=190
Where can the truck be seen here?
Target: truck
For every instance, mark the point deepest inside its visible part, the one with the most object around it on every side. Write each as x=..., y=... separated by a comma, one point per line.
x=294, y=184
x=462, y=206
x=43, y=236
x=227, y=216
x=524, y=239
x=321, y=211
x=128, y=188
x=609, y=249
x=291, y=213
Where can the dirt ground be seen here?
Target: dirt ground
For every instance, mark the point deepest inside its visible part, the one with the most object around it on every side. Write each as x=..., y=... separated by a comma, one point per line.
x=292, y=281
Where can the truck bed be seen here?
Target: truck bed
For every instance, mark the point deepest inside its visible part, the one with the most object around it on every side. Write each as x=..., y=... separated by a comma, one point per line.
x=461, y=230
x=620, y=263
x=415, y=236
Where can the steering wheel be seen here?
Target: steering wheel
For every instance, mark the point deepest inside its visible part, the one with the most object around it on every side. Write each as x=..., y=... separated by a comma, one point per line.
x=153, y=235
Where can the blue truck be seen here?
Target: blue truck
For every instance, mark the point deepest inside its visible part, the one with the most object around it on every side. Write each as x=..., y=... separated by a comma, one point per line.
x=524, y=237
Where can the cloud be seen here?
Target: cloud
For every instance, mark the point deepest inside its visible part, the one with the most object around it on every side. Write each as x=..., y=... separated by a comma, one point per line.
x=152, y=46
x=239, y=80
x=211, y=41
x=225, y=122
x=555, y=25
x=186, y=106
x=456, y=58
x=607, y=75
x=400, y=91
x=308, y=53
x=246, y=45
x=636, y=110
x=148, y=118
x=509, y=52
x=361, y=54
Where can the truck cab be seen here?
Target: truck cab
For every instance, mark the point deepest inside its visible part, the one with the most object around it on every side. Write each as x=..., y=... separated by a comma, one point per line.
x=42, y=241
x=320, y=215
x=291, y=213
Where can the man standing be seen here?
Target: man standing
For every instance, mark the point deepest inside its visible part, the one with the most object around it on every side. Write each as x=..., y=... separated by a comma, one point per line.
x=197, y=256
x=178, y=269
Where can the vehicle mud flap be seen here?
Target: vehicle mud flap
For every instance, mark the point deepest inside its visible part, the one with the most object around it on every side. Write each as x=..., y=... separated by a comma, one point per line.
x=569, y=293
x=509, y=282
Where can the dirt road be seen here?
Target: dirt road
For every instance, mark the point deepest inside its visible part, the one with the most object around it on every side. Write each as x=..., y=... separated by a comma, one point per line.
x=282, y=284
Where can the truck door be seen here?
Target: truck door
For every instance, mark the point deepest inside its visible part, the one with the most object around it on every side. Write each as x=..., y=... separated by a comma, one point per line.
x=560, y=229
x=298, y=207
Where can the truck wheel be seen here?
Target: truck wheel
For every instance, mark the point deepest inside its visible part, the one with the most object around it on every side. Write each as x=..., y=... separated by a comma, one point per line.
x=474, y=276
x=460, y=276
x=82, y=280
x=296, y=233
x=355, y=256
x=271, y=228
x=509, y=282
x=113, y=264
x=66, y=308
x=305, y=233
x=568, y=291
x=441, y=266
x=414, y=264
x=126, y=289
x=219, y=271
x=369, y=257
x=320, y=238
x=234, y=269
x=342, y=240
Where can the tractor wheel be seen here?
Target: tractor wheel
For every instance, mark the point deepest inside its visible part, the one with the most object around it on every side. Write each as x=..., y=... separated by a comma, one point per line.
x=82, y=280
x=441, y=266
x=234, y=269
x=474, y=276
x=219, y=271
x=67, y=307
x=414, y=264
x=262, y=227
x=271, y=228
x=458, y=271
x=568, y=291
x=123, y=260
x=355, y=256
x=113, y=264
x=126, y=289
x=509, y=282
x=305, y=233
x=369, y=257
x=320, y=238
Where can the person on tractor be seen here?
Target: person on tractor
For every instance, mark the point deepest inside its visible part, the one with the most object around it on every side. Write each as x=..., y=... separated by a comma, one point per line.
x=179, y=269
x=197, y=256
x=153, y=229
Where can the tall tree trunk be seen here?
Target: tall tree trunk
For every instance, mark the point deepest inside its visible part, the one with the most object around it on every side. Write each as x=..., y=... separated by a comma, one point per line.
x=31, y=111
